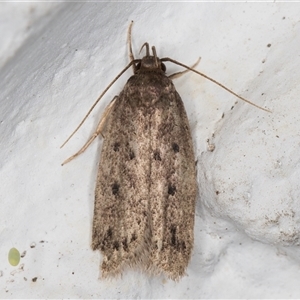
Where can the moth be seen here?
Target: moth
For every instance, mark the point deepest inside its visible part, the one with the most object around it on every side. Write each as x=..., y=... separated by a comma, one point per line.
x=146, y=186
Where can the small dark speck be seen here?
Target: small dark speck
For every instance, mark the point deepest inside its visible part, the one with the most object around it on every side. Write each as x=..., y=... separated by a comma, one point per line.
x=133, y=237
x=283, y=18
x=157, y=155
x=116, y=245
x=34, y=279
x=115, y=188
x=173, y=235
x=125, y=245
x=171, y=190
x=131, y=154
x=277, y=136
x=109, y=232
x=217, y=192
x=175, y=147
x=116, y=147
x=269, y=45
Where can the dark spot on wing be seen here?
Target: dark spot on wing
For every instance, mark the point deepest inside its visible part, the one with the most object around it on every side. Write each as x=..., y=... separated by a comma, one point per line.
x=125, y=245
x=133, y=237
x=115, y=188
x=156, y=155
x=175, y=147
x=171, y=190
x=173, y=235
x=179, y=245
x=131, y=154
x=116, y=147
x=108, y=233
x=116, y=245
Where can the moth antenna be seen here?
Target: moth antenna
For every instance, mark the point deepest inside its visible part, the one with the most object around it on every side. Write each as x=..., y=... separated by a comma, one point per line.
x=178, y=74
x=99, y=98
x=129, y=40
x=214, y=81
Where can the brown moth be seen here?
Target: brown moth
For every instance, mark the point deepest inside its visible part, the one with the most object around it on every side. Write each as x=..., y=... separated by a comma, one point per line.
x=146, y=186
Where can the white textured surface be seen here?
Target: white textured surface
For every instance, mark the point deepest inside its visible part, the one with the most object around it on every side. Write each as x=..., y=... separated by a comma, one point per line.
x=247, y=217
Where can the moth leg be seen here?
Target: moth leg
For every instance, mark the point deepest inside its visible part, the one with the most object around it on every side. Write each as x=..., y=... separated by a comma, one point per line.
x=178, y=74
x=98, y=131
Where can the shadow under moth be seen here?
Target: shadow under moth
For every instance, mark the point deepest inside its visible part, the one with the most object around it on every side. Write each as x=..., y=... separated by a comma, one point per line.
x=146, y=186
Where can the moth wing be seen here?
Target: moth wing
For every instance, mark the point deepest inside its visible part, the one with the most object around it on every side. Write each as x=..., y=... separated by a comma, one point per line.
x=146, y=188
x=173, y=188
x=121, y=213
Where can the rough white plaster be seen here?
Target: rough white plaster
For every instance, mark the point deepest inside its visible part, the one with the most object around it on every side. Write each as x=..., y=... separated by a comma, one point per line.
x=247, y=215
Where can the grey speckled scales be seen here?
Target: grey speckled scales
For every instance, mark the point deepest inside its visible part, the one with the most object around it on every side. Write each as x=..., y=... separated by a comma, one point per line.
x=146, y=185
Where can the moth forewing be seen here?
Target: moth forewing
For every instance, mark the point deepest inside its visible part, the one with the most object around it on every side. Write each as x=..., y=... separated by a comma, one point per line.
x=173, y=187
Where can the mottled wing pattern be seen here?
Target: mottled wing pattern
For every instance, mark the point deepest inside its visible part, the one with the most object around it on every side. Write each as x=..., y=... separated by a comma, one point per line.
x=121, y=212
x=173, y=187
x=146, y=189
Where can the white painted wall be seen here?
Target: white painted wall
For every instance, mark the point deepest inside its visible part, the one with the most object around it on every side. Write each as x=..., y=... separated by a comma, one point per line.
x=57, y=58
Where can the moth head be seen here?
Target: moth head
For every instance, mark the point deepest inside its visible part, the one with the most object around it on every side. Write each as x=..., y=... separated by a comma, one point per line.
x=150, y=62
